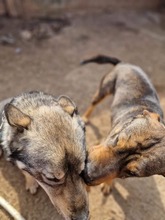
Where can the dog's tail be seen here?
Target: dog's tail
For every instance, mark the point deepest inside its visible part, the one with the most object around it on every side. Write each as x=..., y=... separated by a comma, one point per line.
x=101, y=59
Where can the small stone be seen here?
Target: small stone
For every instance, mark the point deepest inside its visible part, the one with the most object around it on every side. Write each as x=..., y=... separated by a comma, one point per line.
x=18, y=50
x=26, y=35
x=7, y=40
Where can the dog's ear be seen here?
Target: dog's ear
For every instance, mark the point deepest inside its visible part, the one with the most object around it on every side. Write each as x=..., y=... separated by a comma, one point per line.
x=67, y=104
x=151, y=115
x=146, y=113
x=16, y=117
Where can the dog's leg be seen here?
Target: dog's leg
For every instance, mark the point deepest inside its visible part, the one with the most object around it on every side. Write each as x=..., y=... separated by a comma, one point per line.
x=97, y=98
x=106, y=188
x=88, y=188
x=31, y=183
x=106, y=88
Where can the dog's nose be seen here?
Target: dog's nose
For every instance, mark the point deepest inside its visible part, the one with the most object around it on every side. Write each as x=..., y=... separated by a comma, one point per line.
x=85, y=177
x=84, y=218
x=82, y=215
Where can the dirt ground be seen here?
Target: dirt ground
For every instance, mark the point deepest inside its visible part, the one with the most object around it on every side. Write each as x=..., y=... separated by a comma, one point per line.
x=52, y=65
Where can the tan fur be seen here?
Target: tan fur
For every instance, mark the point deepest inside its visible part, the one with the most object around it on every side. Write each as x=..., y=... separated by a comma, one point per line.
x=88, y=112
x=31, y=183
x=101, y=153
x=138, y=133
x=45, y=137
x=15, y=117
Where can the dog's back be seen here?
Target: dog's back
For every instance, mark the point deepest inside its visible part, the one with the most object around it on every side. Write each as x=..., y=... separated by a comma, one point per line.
x=133, y=93
x=132, y=90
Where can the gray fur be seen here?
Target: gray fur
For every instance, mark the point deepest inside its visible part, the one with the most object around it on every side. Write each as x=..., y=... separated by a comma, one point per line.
x=52, y=145
x=135, y=143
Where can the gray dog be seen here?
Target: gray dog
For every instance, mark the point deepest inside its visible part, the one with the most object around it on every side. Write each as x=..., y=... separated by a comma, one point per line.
x=45, y=138
x=135, y=145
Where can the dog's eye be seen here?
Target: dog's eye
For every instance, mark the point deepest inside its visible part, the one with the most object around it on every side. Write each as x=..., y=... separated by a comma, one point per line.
x=131, y=173
x=52, y=180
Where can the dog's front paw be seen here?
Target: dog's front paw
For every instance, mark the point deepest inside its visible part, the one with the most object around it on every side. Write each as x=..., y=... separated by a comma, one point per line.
x=31, y=185
x=106, y=189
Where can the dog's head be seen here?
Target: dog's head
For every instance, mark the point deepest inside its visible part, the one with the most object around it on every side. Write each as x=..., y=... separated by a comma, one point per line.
x=136, y=150
x=148, y=156
x=47, y=137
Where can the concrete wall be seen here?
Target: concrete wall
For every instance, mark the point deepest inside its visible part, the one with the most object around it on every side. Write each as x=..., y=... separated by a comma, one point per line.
x=30, y=8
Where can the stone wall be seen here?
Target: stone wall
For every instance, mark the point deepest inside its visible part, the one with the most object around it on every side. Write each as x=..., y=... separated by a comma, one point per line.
x=30, y=8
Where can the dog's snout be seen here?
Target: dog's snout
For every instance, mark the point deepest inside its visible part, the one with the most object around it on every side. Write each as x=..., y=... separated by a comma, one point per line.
x=81, y=216
x=86, y=177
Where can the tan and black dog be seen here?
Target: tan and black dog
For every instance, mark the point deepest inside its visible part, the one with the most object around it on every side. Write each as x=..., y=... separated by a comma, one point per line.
x=135, y=145
x=45, y=138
